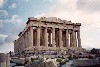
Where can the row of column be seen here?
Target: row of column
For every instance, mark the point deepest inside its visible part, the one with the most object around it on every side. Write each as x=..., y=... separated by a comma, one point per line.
x=72, y=40
x=26, y=40
x=56, y=38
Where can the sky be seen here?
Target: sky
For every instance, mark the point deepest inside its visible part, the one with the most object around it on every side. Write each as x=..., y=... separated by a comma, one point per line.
x=14, y=15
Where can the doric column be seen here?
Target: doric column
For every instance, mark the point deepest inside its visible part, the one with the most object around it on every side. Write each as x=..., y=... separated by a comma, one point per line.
x=67, y=38
x=26, y=39
x=74, y=39
x=22, y=42
x=79, y=39
x=53, y=37
x=35, y=37
x=57, y=38
x=49, y=38
x=60, y=38
x=30, y=36
x=46, y=37
x=71, y=40
x=38, y=37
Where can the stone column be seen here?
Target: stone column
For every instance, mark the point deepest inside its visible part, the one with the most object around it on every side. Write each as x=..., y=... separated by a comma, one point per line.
x=74, y=38
x=57, y=38
x=60, y=38
x=35, y=37
x=22, y=43
x=26, y=39
x=49, y=39
x=53, y=37
x=2, y=60
x=7, y=60
x=38, y=37
x=71, y=40
x=79, y=39
x=31, y=37
x=46, y=37
x=15, y=47
x=67, y=38
x=19, y=45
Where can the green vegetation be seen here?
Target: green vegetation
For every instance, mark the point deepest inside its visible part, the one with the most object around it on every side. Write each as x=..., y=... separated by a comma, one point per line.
x=59, y=60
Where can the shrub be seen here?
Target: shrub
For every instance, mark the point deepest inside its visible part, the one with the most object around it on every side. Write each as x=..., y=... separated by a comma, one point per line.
x=59, y=60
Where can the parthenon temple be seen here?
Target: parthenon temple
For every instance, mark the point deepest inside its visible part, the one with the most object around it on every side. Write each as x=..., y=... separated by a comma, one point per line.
x=48, y=34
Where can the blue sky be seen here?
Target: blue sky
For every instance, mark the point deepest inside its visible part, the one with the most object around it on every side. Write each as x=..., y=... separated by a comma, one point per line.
x=14, y=15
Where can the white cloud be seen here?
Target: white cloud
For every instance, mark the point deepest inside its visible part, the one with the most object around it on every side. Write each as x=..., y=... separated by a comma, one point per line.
x=13, y=5
x=15, y=19
x=89, y=5
x=90, y=29
x=3, y=36
x=27, y=0
x=6, y=43
x=1, y=2
x=3, y=13
x=1, y=23
x=48, y=0
x=5, y=49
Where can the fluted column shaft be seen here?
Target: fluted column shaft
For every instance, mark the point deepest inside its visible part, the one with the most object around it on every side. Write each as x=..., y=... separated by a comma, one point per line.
x=60, y=38
x=79, y=39
x=53, y=37
x=38, y=37
x=74, y=39
x=46, y=37
x=49, y=38
x=23, y=42
x=26, y=39
x=71, y=40
x=67, y=38
x=31, y=37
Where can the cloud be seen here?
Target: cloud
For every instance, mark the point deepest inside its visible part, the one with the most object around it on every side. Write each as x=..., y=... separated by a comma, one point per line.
x=9, y=30
x=5, y=39
x=2, y=39
x=13, y=5
x=1, y=2
x=88, y=5
x=15, y=19
x=1, y=23
x=48, y=0
x=10, y=38
x=3, y=14
x=6, y=48
x=71, y=10
x=27, y=0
